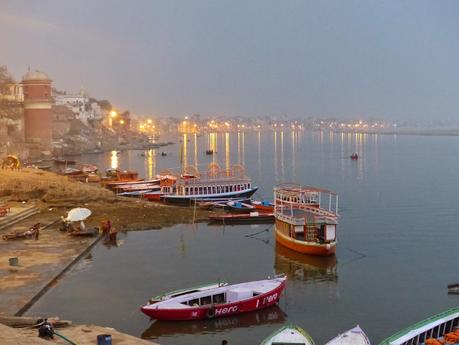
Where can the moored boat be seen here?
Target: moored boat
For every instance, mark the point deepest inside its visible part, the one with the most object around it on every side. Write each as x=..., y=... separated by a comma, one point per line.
x=240, y=207
x=453, y=289
x=303, y=224
x=176, y=293
x=215, y=183
x=290, y=334
x=263, y=206
x=220, y=301
x=445, y=324
x=355, y=336
x=243, y=218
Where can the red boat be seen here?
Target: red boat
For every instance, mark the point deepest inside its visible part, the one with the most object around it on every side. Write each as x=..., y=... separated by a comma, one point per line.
x=247, y=218
x=219, y=301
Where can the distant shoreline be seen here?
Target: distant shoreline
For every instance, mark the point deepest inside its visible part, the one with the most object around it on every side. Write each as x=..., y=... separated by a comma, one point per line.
x=421, y=132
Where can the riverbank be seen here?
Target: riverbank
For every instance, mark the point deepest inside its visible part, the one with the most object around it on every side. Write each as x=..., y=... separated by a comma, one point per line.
x=42, y=262
x=79, y=334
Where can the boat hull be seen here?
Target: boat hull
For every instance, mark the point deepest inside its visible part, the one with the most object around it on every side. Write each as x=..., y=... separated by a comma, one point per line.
x=188, y=200
x=211, y=311
x=306, y=247
x=289, y=335
x=243, y=218
x=355, y=336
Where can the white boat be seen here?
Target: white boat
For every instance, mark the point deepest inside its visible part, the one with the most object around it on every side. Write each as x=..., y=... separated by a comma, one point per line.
x=437, y=327
x=176, y=293
x=355, y=336
x=290, y=334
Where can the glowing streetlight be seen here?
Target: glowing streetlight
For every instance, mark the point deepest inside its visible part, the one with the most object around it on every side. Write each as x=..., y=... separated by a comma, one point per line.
x=113, y=113
x=122, y=122
x=149, y=121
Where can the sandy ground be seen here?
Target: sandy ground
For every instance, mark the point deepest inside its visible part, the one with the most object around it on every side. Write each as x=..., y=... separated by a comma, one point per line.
x=42, y=260
x=81, y=335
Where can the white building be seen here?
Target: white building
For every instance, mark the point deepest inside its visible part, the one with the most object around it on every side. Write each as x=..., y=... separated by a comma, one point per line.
x=80, y=104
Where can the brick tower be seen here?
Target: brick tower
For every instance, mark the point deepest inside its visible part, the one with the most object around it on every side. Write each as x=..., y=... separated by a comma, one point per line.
x=37, y=109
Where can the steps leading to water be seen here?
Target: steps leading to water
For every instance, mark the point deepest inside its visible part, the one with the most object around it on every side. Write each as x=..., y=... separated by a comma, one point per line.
x=17, y=217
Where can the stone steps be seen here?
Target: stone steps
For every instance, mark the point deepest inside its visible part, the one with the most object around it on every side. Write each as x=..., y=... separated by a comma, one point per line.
x=13, y=219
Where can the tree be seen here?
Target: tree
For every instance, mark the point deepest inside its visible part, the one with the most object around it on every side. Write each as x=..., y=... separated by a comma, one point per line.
x=105, y=105
x=5, y=77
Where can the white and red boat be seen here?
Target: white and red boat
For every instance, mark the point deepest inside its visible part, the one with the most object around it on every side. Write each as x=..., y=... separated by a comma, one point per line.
x=219, y=301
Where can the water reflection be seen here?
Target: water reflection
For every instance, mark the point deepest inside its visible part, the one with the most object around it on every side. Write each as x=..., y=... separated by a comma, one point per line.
x=303, y=267
x=114, y=160
x=151, y=163
x=276, y=172
x=227, y=151
x=184, y=155
x=196, y=151
x=282, y=154
x=259, y=154
x=268, y=316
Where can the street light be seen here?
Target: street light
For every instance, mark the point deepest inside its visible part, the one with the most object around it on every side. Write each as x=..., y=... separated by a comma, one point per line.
x=113, y=114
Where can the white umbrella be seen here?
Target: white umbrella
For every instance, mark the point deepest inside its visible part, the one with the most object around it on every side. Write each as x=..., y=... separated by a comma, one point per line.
x=78, y=214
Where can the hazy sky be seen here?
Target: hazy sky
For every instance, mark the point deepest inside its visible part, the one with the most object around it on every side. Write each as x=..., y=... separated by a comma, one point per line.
x=343, y=58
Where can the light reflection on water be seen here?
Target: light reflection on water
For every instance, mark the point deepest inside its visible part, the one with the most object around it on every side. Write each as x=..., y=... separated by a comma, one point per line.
x=396, y=253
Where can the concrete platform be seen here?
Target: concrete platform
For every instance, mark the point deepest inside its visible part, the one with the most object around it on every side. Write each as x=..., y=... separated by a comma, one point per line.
x=81, y=335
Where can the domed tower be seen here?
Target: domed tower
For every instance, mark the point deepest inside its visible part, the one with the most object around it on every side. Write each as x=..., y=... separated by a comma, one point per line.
x=37, y=109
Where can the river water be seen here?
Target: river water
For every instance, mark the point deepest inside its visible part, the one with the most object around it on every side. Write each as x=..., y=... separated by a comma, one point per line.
x=398, y=241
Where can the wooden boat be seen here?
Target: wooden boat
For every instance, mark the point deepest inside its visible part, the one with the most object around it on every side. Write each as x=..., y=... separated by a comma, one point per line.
x=120, y=184
x=290, y=334
x=302, y=224
x=437, y=326
x=215, y=183
x=453, y=289
x=176, y=293
x=153, y=196
x=137, y=188
x=243, y=218
x=64, y=161
x=355, y=336
x=220, y=301
x=263, y=206
x=138, y=193
x=240, y=207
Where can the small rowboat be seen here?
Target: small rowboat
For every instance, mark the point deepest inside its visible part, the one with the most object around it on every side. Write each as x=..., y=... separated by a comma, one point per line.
x=176, y=293
x=289, y=335
x=219, y=301
x=453, y=289
x=263, y=206
x=243, y=218
x=238, y=206
x=355, y=336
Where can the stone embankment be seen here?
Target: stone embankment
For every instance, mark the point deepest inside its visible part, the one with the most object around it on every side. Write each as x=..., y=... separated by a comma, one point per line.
x=41, y=197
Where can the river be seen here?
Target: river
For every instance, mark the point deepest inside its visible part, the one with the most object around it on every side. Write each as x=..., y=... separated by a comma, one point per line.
x=397, y=251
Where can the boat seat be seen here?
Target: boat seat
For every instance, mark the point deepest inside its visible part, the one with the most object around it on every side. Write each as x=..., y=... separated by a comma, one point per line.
x=177, y=306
